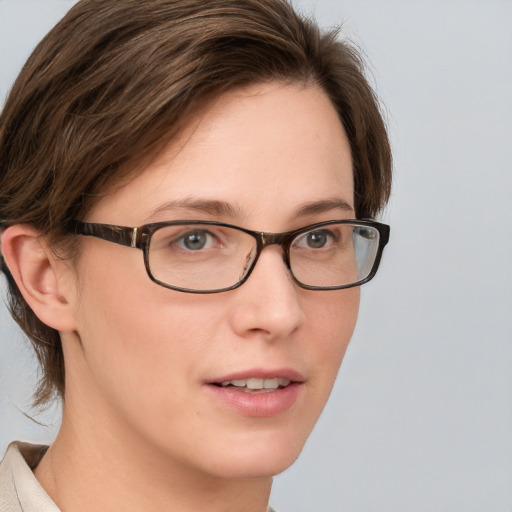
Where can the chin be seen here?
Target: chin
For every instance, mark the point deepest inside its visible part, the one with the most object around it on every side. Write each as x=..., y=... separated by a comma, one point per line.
x=259, y=457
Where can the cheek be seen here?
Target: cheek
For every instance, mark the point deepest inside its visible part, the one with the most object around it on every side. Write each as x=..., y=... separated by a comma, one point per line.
x=138, y=338
x=337, y=317
x=332, y=327
x=134, y=325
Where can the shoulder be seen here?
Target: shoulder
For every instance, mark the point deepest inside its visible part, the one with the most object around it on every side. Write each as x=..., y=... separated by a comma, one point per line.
x=19, y=489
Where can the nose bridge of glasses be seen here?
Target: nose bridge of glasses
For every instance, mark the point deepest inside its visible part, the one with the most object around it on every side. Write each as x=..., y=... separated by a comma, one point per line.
x=282, y=239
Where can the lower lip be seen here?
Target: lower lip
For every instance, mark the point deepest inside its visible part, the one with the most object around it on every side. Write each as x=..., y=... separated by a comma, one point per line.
x=258, y=405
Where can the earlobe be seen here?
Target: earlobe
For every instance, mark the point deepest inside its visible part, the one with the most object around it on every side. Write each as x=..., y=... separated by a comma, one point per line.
x=39, y=275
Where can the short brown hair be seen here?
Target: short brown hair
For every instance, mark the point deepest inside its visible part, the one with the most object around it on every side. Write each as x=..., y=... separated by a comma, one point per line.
x=114, y=81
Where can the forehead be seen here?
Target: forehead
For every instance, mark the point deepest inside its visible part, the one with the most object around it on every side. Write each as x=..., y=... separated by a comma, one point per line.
x=265, y=150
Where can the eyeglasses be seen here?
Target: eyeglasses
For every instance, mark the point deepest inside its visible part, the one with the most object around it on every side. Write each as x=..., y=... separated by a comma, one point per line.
x=209, y=257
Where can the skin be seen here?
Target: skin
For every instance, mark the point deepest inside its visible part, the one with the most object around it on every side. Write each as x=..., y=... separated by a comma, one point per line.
x=139, y=424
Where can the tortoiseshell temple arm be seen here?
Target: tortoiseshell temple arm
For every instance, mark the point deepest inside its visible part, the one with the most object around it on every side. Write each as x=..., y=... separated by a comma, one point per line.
x=118, y=234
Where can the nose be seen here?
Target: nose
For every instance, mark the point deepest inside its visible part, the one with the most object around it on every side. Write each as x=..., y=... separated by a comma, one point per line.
x=268, y=304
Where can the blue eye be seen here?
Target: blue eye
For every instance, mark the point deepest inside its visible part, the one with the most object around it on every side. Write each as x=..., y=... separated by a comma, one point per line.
x=317, y=239
x=195, y=240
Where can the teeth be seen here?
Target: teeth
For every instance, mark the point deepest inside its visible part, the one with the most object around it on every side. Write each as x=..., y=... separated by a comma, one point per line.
x=270, y=383
x=254, y=383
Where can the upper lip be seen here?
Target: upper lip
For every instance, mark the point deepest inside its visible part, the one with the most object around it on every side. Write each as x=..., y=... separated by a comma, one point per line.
x=259, y=373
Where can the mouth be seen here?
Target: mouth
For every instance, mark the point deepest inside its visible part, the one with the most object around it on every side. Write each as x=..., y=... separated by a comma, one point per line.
x=255, y=385
x=258, y=393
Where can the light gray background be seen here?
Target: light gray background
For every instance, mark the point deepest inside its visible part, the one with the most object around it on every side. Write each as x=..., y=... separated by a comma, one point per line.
x=421, y=415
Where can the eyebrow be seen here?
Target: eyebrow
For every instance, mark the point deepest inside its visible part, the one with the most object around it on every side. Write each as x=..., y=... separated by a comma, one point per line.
x=325, y=205
x=223, y=208
x=208, y=206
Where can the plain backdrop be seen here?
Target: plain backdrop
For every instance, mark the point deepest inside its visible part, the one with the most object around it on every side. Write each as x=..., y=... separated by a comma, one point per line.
x=421, y=415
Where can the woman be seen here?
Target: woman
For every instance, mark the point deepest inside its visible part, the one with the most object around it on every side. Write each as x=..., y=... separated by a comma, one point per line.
x=183, y=194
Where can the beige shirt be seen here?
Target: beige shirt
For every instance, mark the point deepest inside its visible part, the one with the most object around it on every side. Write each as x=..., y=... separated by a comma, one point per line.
x=19, y=489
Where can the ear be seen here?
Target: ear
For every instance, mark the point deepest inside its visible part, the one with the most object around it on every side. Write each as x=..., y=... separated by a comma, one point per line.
x=44, y=280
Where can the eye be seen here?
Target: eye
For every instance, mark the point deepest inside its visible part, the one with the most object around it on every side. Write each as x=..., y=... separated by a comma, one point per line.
x=196, y=240
x=315, y=239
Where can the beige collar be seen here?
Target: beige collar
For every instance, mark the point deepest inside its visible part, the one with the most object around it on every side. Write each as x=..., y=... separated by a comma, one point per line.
x=20, y=490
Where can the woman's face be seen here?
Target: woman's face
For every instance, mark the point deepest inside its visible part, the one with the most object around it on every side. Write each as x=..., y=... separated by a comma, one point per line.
x=150, y=360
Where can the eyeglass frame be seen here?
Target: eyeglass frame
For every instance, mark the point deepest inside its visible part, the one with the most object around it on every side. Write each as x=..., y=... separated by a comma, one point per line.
x=140, y=238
